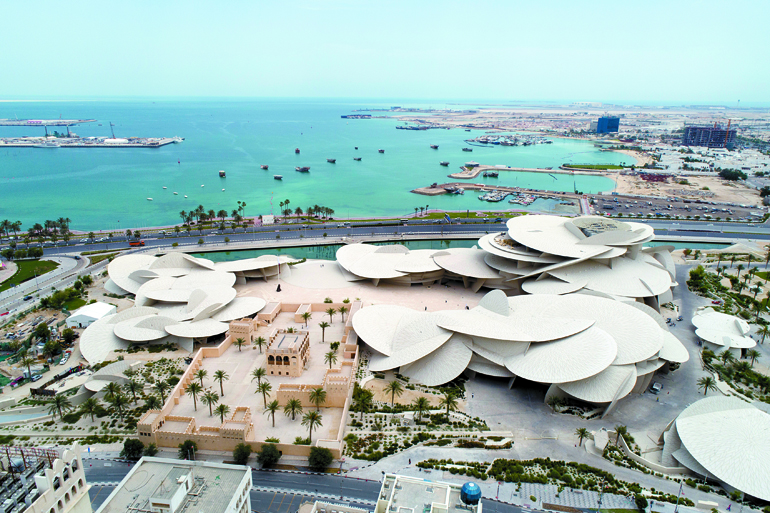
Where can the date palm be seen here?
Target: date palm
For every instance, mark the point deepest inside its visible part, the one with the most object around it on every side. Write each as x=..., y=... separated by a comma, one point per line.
x=707, y=384
x=726, y=356
x=272, y=408
x=259, y=373
x=59, y=403
x=133, y=387
x=111, y=389
x=89, y=407
x=239, y=342
x=753, y=355
x=162, y=387
x=259, y=342
x=330, y=357
x=293, y=407
x=343, y=310
x=312, y=419
x=210, y=398
x=264, y=388
x=193, y=390
x=318, y=397
x=421, y=406
x=581, y=434
x=323, y=327
x=119, y=401
x=449, y=401
x=222, y=410
x=221, y=376
x=153, y=403
x=330, y=312
x=395, y=389
x=200, y=374
x=306, y=316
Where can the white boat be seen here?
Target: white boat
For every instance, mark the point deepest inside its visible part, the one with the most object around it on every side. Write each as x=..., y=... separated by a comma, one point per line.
x=203, y=186
x=46, y=145
x=176, y=194
x=165, y=187
x=149, y=199
x=223, y=190
x=185, y=195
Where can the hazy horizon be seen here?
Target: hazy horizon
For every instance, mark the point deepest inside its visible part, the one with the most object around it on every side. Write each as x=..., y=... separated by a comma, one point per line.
x=493, y=51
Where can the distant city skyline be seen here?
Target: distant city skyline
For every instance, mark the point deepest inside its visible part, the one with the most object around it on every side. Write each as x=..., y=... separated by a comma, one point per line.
x=612, y=52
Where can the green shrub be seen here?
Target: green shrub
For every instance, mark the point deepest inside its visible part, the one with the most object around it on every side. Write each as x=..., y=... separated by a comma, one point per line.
x=269, y=455
x=301, y=441
x=533, y=498
x=274, y=440
x=241, y=453
x=320, y=458
x=151, y=450
x=72, y=417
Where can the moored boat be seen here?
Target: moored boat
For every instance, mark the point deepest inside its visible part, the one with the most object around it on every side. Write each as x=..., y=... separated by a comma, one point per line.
x=444, y=163
x=263, y=166
x=302, y=169
x=331, y=161
x=467, y=149
x=275, y=177
x=222, y=174
x=381, y=151
x=357, y=159
x=296, y=150
x=434, y=146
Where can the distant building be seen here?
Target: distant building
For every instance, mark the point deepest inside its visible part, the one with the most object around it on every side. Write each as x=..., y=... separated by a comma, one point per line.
x=85, y=315
x=166, y=485
x=709, y=136
x=606, y=125
x=401, y=493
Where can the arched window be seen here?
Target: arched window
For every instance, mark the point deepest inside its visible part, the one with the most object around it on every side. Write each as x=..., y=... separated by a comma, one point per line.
x=66, y=473
x=81, y=484
x=286, y=360
x=74, y=464
x=270, y=360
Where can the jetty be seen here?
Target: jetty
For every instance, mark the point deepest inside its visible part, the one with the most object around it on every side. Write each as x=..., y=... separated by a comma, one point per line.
x=468, y=173
x=88, y=142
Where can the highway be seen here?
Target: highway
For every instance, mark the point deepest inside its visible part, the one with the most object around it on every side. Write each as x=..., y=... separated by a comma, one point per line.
x=274, y=492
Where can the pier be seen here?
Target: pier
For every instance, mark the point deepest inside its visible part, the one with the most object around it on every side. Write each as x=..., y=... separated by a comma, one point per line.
x=469, y=173
x=76, y=142
x=44, y=122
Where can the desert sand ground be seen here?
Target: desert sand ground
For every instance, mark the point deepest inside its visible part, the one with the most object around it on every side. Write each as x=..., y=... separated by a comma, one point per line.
x=723, y=190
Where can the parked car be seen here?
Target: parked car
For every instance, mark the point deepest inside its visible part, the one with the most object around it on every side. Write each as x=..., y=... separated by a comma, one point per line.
x=27, y=298
x=656, y=388
x=716, y=302
x=680, y=318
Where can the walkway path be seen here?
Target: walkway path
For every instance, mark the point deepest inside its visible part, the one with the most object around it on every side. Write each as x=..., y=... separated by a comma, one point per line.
x=8, y=270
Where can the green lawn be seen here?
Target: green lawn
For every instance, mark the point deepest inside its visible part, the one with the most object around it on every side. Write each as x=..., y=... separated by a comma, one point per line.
x=98, y=258
x=26, y=270
x=74, y=304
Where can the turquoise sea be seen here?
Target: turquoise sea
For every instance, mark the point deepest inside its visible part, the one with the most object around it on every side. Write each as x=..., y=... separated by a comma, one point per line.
x=108, y=188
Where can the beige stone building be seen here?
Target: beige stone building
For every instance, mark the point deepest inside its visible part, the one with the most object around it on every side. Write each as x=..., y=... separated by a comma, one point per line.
x=287, y=353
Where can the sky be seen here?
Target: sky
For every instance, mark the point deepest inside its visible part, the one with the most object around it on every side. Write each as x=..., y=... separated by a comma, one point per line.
x=610, y=51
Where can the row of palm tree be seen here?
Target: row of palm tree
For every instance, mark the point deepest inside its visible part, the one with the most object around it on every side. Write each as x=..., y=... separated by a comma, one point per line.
x=709, y=384
x=425, y=208
x=49, y=228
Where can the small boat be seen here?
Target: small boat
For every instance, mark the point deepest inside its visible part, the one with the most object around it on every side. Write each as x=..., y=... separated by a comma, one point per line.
x=331, y=161
x=222, y=174
x=185, y=195
x=467, y=149
x=444, y=163
x=434, y=146
x=263, y=166
x=296, y=150
x=165, y=187
x=223, y=190
x=357, y=159
x=278, y=177
x=178, y=161
x=149, y=199
x=302, y=169
x=356, y=147
x=467, y=129
x=177, y=194
x=381, y=151
x=491, y=174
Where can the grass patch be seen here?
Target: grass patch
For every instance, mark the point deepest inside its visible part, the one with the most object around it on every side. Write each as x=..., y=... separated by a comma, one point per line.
x=618, y=510
x=99, y=252
x=98, y=258
x=26, y=270
x=74, y=304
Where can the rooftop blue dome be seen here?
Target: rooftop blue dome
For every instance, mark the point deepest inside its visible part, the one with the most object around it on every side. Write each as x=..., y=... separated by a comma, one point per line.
x=470, y=493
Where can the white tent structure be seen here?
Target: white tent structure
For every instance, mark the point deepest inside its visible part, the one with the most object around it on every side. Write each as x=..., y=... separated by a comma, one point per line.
x=720, y=332
x=88, y=314
x=724, y=439
x=590, y=348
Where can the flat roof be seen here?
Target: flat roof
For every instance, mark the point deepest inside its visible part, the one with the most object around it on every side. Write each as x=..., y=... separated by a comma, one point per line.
x=215, y=484
x=409, y=494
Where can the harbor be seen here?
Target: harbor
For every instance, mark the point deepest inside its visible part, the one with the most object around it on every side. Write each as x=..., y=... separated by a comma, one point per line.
x=87, y=142
x=470, y=172
x=496, y=194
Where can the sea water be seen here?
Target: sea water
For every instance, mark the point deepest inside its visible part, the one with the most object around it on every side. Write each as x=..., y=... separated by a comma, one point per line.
x=108, y=188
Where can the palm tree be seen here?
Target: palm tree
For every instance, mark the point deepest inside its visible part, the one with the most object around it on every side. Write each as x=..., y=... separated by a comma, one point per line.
x=61, y=404
x=753, y=355
x=726, y=356
x=264, y=388
x=258, y=374
x=449, y=401
x=271, y=408
x=119, y=401
x=330, y=312
x=394, y=388
x=111, y=389
x=363, y=401
x=239, y=342
x=740, y=268
x=323, y=327
x=330, y=358
x=312, y=419
x=581, y=434
x=133, y=387
x=318, y=397
x=193, y=389
x=306, y=316
x=621, y=431
x=259, y=343
x=89, y=407
x=293, y=407
x=210, y=399
x=162, y=387
x=343, y=310
x=222, y=410
x=200, y=374
x=764, y=331
x=153, y=403
x=221, y=376
x=421, y=405
x=707, y=384
x=27, y=362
